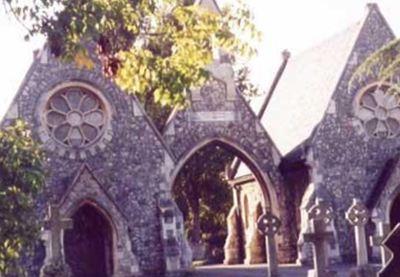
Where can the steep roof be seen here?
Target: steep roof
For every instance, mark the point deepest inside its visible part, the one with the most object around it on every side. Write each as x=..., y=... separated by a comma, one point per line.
x=307, y=85
x=305, y=89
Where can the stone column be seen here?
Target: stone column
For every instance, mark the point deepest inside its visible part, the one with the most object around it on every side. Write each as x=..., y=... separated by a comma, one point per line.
x=255, y=246
x=358, y=216
x=234, y=245
x=172, y=251
x=232, y=242
x=320, y=216
x=268, y=224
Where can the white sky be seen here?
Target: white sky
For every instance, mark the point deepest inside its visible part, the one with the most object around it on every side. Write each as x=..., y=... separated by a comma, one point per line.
x=286, y=24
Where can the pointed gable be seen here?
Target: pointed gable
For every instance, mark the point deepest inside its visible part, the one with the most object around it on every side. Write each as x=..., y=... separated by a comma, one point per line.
x=309, y=81
x=210, y=5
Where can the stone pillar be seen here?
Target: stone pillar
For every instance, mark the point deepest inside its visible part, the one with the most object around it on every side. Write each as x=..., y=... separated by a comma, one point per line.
x=172, y=243
x=358, y=216
x=232, y=243
x=255, y=245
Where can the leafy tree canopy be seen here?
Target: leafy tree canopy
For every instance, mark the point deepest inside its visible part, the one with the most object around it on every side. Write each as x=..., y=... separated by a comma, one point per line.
x=160, y=47
x=381, y=65
x=21, y=181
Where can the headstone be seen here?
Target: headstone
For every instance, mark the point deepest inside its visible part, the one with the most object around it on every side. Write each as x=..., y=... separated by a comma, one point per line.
x=268, y=225
x=383, y=231
x=392, y=242
x=320, y=216
x=56, y=225
x=358, y=216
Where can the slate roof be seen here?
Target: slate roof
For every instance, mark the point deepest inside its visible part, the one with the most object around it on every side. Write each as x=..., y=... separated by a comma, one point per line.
x=305, y=89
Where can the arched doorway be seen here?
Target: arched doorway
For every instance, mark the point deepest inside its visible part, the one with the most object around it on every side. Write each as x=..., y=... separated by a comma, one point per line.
x=88, y=246
x=395, y=212
x=245, y=217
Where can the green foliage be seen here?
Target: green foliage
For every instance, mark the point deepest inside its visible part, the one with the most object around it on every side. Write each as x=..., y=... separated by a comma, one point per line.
x=160, y=47
x=204, y=196
x=21, y=180
x=381, y=65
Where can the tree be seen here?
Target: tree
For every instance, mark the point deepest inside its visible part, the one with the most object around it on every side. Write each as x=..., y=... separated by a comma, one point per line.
x=150, y=47
x=21, y=181
x=203, y=195
x=381, y=65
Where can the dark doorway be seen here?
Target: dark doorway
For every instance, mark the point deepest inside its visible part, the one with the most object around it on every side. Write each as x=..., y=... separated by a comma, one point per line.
x=88, y=246
x=395, y=212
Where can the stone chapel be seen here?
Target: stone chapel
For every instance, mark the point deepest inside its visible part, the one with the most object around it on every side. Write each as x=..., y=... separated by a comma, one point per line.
x=338, y=139
x=111, y=171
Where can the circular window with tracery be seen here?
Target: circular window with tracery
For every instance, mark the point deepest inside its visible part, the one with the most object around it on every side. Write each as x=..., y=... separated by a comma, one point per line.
x=75, y=117
x=378, y=109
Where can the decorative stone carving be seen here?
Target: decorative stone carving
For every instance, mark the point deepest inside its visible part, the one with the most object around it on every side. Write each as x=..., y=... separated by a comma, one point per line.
x=268, y=225
x=75, y=119
x=55, y=262
x=214, y=94
x=358, y=216
x=320, y=216
x=379, y=110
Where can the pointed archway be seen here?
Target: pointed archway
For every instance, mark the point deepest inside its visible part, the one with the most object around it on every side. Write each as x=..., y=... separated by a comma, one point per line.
x=88, y=246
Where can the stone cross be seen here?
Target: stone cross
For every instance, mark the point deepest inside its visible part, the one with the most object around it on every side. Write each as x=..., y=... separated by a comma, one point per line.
x=392, y=242
x=383, y=231
x=358, y=216
x=268, y=225
x=320, y=216
x=56, y=225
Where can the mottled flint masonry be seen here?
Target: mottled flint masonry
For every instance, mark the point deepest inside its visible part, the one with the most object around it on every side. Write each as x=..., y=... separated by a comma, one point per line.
x=132, y=166
x=347, y=161
x=129, y=165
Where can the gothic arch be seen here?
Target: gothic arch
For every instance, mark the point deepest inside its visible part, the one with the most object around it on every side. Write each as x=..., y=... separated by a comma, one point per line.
x=217, y=113
x=85, y=190
x=269, y=193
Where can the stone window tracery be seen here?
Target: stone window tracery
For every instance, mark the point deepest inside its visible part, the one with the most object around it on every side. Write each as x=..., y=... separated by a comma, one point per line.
x=378, y=108
x=75, y=117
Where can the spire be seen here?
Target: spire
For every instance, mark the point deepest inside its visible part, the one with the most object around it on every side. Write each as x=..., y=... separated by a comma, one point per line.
x=210, y=5
x=372, y=6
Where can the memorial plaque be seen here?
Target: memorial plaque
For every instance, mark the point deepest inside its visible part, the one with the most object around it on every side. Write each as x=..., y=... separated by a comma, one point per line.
x=216, y=116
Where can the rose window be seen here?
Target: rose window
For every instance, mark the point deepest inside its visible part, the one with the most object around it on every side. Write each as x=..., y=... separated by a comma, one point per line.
x=75, y=117
x=379, y=111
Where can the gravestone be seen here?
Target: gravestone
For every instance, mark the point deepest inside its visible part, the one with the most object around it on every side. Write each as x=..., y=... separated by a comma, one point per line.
x=357, y=215
x=268, y=225
x=320, y=216
x=383, y=231
x=56, y=225
x=392, y=242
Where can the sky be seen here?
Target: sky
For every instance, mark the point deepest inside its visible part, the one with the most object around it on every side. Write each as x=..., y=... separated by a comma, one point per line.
x=286, y=24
